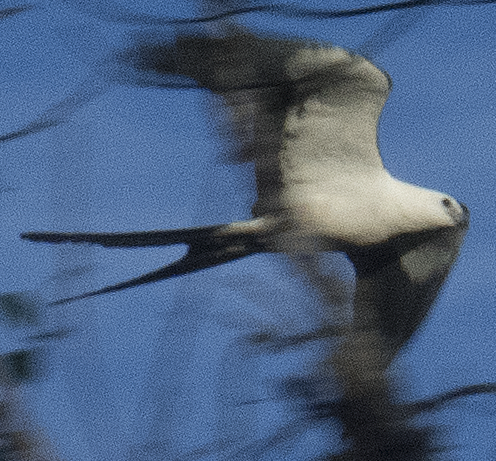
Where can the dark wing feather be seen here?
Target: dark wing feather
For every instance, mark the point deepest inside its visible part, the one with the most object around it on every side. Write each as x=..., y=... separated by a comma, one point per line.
x=249, y=74
x=396, y=295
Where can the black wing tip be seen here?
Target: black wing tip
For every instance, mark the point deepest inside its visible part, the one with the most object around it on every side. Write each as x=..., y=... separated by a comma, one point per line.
x=10, y=11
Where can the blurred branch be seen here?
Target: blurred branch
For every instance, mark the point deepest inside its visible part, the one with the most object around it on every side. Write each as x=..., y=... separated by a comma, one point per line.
x=34, y=127
x=19, y=308
x=121, y=14
x=277, y=343
x=7, y=12
x=20, y=366
x=306, y=390
x=59, y=113
x=20, y=439
x=51, y=335
x=434, y=403
x=291, y=11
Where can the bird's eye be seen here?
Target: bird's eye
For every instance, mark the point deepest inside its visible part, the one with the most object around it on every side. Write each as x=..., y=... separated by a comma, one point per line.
x=446, y=202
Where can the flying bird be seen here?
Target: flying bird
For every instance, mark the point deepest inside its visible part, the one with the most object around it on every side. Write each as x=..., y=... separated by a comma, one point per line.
x=306, y=114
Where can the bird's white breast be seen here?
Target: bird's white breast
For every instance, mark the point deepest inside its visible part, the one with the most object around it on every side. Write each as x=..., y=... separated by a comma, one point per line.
x=348, y=207
x=362, y=207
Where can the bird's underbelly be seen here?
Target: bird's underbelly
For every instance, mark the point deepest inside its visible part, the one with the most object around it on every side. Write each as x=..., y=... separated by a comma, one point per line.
x=356, y=213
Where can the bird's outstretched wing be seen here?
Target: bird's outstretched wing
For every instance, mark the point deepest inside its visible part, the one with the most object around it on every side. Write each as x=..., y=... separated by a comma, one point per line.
x=397, y=284
x=208, y=246
x=248, y=73
x=292, y=104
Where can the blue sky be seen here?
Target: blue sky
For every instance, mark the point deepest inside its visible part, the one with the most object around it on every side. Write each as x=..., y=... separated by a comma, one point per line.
x=162, y=356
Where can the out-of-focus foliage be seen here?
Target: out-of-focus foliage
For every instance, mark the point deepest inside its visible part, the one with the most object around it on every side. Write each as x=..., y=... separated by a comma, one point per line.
x=18, y=309
x=20, y=366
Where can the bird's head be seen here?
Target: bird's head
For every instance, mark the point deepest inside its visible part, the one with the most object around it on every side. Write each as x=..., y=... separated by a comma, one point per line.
x=420, y=209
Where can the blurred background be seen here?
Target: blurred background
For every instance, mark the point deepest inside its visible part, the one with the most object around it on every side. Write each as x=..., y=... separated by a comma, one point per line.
x=162, y=370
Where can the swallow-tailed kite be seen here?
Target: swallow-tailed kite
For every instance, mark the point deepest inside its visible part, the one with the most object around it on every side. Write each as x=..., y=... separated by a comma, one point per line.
x=307, y=116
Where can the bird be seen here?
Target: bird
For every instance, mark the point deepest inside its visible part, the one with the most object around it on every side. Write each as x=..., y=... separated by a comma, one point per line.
x=306, y=114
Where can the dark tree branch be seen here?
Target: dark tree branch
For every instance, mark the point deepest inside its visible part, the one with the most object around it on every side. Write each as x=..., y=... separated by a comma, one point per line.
x=7, y=12
x=436, y=402
x=120, y=14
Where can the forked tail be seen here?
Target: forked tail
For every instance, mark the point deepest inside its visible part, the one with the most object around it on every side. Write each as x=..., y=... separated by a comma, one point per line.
x=208, y=247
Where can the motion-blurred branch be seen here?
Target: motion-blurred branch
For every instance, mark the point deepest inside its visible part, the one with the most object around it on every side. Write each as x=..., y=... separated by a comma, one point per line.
x=436, y=402
x=7, y=12
x=291, y=11
x=60, y=112
x=306, y=391
x=120, y=14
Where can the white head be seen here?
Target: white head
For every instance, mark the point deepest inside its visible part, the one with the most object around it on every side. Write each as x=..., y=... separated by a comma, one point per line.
x=416, y=208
